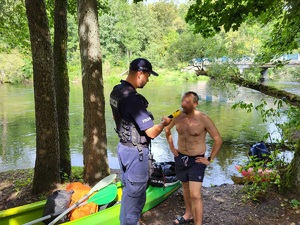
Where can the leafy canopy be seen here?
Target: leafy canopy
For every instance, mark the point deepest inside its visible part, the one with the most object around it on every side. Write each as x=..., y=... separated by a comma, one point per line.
x=209, y=16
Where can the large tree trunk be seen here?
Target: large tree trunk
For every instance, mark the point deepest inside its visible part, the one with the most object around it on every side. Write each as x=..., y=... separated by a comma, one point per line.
x=94, y=143
x=62, y=84
x=46, y=171
x=291, y=178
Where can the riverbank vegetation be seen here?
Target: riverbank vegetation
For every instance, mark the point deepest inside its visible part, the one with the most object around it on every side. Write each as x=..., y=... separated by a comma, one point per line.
x=210, y=17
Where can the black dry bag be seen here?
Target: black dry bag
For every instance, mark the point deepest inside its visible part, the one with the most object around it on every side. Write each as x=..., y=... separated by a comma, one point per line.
x=57, y=203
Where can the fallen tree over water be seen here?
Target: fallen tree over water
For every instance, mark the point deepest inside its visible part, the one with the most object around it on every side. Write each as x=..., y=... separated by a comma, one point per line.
x=288, y=97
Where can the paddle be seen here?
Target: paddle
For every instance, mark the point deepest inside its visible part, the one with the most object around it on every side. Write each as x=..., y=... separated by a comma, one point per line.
x=101, y=184
x=175, y=114
x=108, y=194
x=102, y=197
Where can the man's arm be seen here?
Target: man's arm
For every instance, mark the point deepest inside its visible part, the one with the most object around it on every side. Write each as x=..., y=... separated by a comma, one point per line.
x=170, y=138
x=155, y=130
x=215, y=135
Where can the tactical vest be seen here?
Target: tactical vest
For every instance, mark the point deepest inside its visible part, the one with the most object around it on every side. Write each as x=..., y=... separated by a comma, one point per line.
x=127, y=131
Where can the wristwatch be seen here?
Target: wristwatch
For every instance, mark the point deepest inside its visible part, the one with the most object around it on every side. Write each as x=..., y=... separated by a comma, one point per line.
x=209, y=159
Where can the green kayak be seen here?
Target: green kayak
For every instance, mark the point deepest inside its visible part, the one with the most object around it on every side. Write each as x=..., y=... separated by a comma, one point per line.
x=27, y=213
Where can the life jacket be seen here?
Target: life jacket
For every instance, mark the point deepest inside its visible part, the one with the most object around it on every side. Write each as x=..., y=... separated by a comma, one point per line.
x=79, y=191
x=127, y=131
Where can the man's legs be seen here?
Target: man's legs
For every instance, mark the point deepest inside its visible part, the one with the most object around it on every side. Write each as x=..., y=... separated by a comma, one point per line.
x=187, y=201
x=196, y=201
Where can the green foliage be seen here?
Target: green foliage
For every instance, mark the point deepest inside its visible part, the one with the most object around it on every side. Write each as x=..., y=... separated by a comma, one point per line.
x=166, y=75
x=291, y=128
x=265, y=177
x=247, y=106
x=295, y=203
x=284, y=74
x=210, y=17
x=14, y=31
x=189, y=45
x=252, y=74
x=134, y=30
x=14, y=67
x=18, y=184
x=77, y=174
x=268, y=114
x=25, y=181
x=286, y=175
x=157, y=31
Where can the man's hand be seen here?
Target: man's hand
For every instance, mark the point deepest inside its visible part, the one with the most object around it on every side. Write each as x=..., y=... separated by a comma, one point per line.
x=175, y=152
x=165, y=121
x=202, y=160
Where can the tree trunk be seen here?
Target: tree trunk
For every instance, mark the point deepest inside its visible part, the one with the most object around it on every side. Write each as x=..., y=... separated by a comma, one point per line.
x=290, y=98
x=291, y=178
x=94, y=142
x=62, y=84
x=46, y=171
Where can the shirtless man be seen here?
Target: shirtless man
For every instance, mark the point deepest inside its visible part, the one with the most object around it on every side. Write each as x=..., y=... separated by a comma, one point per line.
x=190, y=161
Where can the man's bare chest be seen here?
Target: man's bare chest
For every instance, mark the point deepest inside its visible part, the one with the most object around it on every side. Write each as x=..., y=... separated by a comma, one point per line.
x=190, y=127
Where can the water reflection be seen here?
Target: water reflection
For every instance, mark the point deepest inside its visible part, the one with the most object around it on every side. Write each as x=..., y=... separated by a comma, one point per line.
x=238, y=128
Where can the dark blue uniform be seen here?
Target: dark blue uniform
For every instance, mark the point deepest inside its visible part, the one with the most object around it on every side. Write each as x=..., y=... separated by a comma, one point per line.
x=132, y=119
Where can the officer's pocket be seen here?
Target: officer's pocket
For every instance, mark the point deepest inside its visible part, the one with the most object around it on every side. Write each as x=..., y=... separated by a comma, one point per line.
x=136, y=185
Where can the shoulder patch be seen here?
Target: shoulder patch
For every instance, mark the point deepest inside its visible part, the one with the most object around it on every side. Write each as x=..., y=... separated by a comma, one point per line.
x=146, y=120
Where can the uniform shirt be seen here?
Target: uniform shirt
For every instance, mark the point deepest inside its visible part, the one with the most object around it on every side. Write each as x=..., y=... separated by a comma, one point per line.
x=133, y=109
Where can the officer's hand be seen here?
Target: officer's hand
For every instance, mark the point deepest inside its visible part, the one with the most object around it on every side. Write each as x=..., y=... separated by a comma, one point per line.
x=165, y=121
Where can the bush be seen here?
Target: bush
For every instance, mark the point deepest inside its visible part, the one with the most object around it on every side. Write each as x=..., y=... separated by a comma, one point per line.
x=264, y=177
x=13, y=67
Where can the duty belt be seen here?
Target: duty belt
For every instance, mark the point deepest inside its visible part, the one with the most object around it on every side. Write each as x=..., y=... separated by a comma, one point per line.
x=129, y=144
x=139, y=147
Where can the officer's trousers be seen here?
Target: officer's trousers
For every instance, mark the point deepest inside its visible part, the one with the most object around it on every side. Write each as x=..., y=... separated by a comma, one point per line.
x=134, y=179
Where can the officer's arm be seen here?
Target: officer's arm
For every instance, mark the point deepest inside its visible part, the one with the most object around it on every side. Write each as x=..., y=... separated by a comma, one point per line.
x=155, y=130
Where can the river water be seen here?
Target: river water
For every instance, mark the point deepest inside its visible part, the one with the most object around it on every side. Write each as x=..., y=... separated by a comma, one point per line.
x=238, y=128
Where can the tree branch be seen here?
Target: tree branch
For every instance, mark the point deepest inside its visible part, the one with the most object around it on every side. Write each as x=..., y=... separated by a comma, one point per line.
x=288, y=97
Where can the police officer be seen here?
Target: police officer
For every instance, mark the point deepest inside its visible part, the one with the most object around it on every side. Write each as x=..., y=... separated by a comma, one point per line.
x=135, y=128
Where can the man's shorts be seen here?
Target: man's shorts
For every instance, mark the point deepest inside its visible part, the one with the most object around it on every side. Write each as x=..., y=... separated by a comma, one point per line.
x=187, y=169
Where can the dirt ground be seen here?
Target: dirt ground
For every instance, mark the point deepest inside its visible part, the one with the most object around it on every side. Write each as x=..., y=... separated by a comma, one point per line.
x=223, y=205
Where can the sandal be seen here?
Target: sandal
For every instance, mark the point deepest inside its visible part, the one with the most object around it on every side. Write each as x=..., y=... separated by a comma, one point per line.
x=181, y=220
